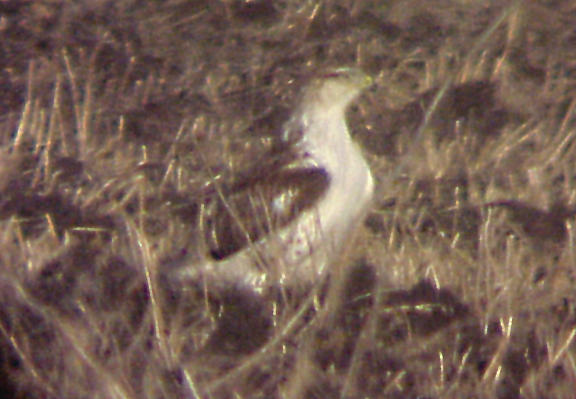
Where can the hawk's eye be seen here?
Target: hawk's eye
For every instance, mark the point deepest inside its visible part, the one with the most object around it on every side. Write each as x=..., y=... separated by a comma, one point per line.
x=333, y=74
x=336, y=73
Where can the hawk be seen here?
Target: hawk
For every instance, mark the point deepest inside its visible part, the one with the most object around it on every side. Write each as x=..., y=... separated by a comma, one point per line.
x=286, y=222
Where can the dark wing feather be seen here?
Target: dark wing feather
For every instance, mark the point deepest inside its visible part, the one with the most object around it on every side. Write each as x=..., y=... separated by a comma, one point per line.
x=259, y=170
x=258, y=207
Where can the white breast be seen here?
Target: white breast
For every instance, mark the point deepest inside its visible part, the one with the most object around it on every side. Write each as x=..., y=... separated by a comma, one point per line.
x=320, y=236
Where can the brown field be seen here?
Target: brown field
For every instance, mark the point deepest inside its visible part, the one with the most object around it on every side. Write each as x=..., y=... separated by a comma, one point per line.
x=114, y=116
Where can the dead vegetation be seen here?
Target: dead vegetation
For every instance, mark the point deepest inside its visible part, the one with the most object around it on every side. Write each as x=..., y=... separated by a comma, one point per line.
x=116, y=116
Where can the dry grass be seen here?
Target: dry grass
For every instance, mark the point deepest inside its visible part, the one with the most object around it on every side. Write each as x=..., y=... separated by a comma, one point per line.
x=114, y=117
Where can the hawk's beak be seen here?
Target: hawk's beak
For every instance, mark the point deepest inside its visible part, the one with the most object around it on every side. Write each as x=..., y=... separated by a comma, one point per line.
x=368, y=82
